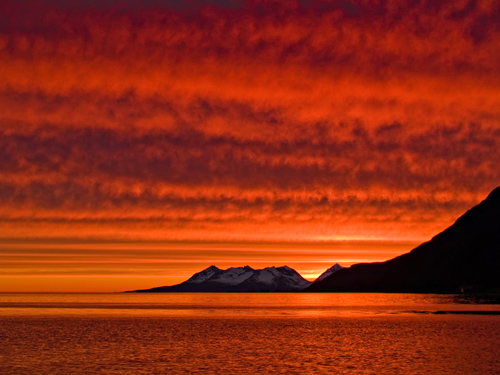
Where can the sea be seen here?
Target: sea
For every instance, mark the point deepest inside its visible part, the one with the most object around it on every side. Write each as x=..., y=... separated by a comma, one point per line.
x=249, y=333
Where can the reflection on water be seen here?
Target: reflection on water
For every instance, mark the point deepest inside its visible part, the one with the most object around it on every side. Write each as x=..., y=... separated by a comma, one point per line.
x=493, y=299
x=248, y=334
x=242, y=304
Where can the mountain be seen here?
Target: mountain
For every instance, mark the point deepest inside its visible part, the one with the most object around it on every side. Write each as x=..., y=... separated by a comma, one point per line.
x=328, y=272
x=464, y=257
x=239, y=279
x=272, y=279
x=231, y=276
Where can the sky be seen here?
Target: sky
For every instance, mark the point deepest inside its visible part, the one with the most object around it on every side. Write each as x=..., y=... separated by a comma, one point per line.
x=142, y=141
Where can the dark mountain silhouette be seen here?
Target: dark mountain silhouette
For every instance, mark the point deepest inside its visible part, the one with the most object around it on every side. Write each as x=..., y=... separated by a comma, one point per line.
x=464, y=257
x=239, y=279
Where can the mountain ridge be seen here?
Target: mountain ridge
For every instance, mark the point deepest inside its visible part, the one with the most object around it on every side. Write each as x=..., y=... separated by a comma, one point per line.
x=464, y=256
x=330, y=271
x=238, y=279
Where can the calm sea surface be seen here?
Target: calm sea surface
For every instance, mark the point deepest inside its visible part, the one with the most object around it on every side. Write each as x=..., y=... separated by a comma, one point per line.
x=248, y=334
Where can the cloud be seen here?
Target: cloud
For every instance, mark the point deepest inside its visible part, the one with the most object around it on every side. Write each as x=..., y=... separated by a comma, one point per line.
x=357, y=34
x=246, y=113
x=381, y=182
x=387, y=157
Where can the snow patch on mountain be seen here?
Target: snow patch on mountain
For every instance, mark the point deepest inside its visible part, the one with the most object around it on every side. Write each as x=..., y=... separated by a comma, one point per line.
x=282, y=278
x=265, y=276
x=204, y=275
x=233, y=275
x=329, y=271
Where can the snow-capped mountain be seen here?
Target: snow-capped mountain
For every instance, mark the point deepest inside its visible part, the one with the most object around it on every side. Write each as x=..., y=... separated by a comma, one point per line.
x=329, y=271
x=231, y=276
x=274, y=279
x=204, y=275
x=240, y=279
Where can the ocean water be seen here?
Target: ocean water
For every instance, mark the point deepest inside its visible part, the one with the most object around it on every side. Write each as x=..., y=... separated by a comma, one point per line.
x=248, y=334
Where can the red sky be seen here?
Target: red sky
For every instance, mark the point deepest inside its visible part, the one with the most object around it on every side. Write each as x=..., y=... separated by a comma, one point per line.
x=141, y=141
